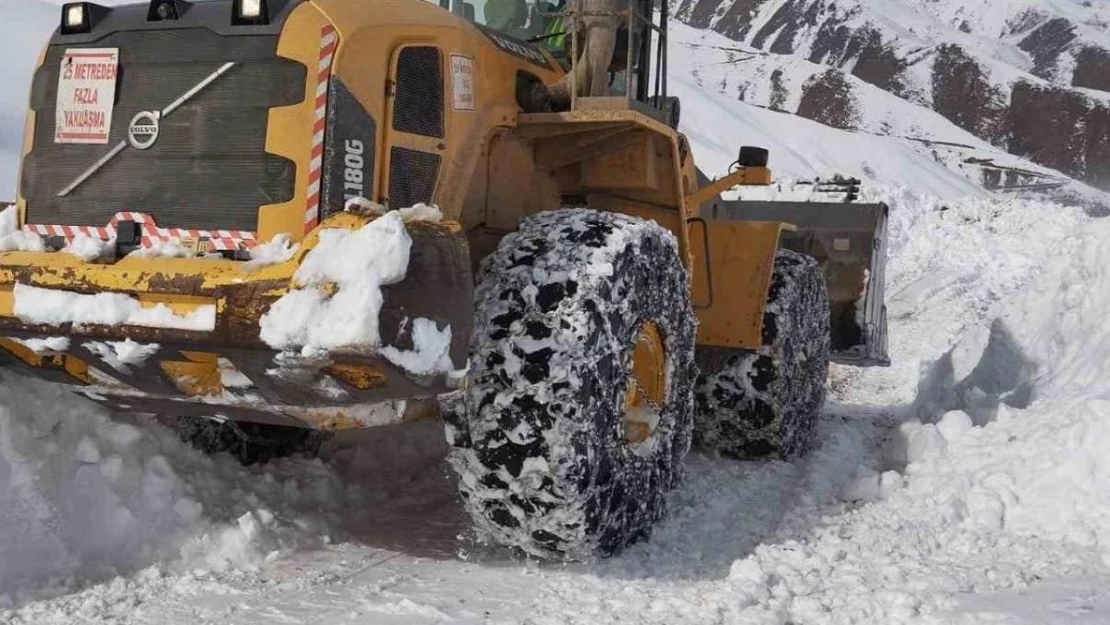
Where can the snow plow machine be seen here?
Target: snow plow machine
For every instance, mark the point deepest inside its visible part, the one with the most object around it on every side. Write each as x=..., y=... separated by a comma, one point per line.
x=275, y=216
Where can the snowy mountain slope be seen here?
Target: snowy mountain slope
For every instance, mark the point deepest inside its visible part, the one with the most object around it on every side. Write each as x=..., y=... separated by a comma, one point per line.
x=1029, y=76
x=886, y=141
x=803, y=149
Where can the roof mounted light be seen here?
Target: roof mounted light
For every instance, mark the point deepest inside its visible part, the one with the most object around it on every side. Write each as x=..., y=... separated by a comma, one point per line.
x=250, y=12
x=80, y=17
x=75, y=16
x=258, y=12
x=161, y=10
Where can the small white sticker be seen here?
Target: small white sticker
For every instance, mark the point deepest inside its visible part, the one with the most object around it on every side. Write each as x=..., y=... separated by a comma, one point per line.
x=842, y=245
x=462, y=72
x=86, y=95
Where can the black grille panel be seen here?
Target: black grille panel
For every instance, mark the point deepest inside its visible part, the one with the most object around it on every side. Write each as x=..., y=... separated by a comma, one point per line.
x=350, y=151
x=418, y=107
x=412, y=177
x=209, y=168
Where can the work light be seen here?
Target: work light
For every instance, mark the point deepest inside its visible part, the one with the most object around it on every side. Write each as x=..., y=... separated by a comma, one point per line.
x=250, y=9
x=250, y=12
x=74, y=15
x=81, y=17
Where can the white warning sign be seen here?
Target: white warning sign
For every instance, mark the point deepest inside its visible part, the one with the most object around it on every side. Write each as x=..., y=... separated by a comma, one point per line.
x=86, y=95
x=462, y=72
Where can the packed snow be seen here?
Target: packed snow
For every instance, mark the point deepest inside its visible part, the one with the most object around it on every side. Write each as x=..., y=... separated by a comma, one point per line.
x=46, y=345
x=430, y=353
x=421, y=212
x=53, y=307
x=165, y=248
x=13, y=238
x=338, y=298
x=273, y=252
x=85, y=496
x=90, y=248
x=123, y=355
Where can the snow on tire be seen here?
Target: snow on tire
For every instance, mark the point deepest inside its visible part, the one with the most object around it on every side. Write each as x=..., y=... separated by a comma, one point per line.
x=766, y=402
x=541, y=447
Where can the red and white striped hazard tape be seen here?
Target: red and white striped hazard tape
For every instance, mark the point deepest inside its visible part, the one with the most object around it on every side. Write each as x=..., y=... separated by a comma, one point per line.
x=329, y=41
x=218, y=240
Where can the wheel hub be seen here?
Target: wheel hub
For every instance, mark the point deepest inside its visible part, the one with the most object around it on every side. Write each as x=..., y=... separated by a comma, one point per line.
x=647, y=386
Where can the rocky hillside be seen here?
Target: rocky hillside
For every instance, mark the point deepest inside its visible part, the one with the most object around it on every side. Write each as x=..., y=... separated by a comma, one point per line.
x=1030, y=77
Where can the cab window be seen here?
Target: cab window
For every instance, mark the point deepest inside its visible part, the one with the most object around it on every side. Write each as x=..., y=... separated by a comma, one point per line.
x=523, y=19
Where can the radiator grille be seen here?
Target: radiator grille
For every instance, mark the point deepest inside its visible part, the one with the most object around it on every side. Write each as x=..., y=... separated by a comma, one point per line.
x=209, y=167
x=418, y=107
x=412, y=177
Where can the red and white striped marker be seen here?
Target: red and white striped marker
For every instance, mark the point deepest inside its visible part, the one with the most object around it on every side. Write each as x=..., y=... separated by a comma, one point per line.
x=218, y=240
x=329, y=41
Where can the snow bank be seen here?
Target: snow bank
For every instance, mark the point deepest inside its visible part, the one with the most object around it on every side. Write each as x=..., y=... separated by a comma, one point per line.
x=53, y=307
x=1007, y=483
x=86, y=496
x=339, y=297
x=948, y=508
x=951, y=264
x=1050, y=342
x=1036, y=379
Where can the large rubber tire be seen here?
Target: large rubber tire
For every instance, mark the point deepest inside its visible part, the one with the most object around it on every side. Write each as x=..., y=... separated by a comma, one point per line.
x=540, y=446
x=249, y=443
x=753, y=404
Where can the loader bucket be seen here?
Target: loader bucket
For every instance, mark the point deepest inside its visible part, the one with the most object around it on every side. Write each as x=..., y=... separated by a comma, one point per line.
x=849, y=241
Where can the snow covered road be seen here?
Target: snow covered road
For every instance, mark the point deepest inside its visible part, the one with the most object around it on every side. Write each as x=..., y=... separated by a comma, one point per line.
x=889, y=521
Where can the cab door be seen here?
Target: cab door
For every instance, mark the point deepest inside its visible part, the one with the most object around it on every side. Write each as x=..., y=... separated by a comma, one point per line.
x=415, y=136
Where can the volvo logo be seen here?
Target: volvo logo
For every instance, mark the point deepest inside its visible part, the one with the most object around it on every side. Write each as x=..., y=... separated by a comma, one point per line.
x=143, y=131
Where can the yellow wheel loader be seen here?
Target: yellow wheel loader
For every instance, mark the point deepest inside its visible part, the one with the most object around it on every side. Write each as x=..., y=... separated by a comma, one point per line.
x=281, y=215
